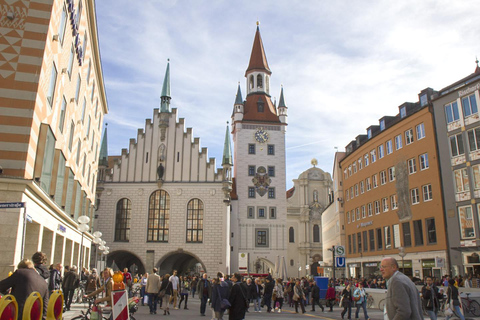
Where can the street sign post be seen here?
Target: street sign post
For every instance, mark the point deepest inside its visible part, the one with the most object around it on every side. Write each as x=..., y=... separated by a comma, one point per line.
x=340, y=251
x=340, y=262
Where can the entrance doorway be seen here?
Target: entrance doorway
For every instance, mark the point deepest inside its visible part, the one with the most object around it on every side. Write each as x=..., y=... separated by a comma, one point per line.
x=119, y=260
x=185, y=263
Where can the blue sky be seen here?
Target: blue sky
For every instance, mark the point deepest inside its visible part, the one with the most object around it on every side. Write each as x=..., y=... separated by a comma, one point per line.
x=343, y=64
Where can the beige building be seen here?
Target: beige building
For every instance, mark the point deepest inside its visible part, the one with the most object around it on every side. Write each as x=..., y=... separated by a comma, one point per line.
x=307, y=200
x=52, y=103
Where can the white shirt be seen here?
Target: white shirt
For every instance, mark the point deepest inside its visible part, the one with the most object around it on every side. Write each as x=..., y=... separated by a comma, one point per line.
x=174, y=281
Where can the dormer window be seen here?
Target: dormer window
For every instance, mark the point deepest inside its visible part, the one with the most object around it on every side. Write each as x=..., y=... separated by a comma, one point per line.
x=403, y=112
x=260, y=105
x=259, y=81
x=369, y=133
x=250, y=84
x=423, y=100
x=382, y=125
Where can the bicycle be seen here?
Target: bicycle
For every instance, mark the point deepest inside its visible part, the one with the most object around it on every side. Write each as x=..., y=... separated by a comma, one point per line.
x=381, y=305
x=470, y=306
x=79, y=292
x=86, y=314
x=370, y=301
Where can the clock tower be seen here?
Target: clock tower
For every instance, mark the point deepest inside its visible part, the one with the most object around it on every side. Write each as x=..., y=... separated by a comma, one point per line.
x=259, y=206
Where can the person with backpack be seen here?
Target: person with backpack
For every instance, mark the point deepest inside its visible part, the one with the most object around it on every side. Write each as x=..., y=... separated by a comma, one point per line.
x=360, y=296
x=93, y=282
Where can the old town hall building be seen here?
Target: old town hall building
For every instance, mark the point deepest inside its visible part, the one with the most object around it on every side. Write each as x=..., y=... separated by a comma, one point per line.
x=164, y=203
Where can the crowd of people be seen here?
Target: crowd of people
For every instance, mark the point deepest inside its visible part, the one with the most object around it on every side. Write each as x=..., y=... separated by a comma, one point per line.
x=238, y=295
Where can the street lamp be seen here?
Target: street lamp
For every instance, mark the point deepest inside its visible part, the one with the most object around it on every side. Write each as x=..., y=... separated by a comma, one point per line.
x=402, y=253
x=333, y=263
x=82, y=227
x=307, y=267
x=299, y=270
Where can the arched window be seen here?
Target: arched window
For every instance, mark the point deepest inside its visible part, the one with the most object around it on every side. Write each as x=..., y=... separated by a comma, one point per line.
x=158, y=216
x=195, y=221
x=122, y=220
x=292, y=262
x=291, y=235
x=259, y=81
x=251, y=82
x=316, y=233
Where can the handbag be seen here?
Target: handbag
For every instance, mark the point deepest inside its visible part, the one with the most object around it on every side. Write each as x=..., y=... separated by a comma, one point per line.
x=224, y=303
x=145, y=299
x=340, y=304
x=161, y=294
x=448, y=310
x=296, y=297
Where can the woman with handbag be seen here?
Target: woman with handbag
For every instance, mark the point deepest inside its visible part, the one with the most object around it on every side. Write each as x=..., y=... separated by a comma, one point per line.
x=330, y=297
x=219, y=298
x=347, y=301
x=166, y=290
x=278, y=294
x=298, y=296
x=453, y=300
x=360, y=296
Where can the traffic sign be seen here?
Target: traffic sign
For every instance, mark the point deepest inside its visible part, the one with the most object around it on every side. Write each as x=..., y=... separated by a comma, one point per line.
x=10, y=205
x=340, y=262
x=339, y=251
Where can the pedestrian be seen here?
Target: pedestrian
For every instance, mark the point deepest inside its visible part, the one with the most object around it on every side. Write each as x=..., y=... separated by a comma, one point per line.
x=167, y=291
x=278, y=291
x=204, y=288
x=403, y=299
x=184, y=287
x=55, y=277
x=128, y=280
x=93, y=282
x=330, y=297
x=174, y=280
x=22, y=283
x=238, y=299
x=70, y=283
x=268, y=292
x=430, y=297
x=143, y=286
x=347, y=301
x=298, y=296
x=453, y=300
x=106, y=288
x=39, y=260
x=315, y=291
x=256, y=295
x=152, y=289
x=249, y=292
x=360, y=297
x=194, y=286
x=219, y=293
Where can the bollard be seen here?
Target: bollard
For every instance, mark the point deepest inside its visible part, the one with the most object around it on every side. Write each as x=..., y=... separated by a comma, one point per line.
x=33, y=308
x=8, y=308
x=55, y=306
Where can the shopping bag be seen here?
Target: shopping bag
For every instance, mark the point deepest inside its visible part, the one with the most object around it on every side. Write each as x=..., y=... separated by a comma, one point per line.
x=145, y=299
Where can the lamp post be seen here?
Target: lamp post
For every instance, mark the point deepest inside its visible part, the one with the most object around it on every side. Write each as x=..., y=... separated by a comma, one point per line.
x=307, y=267
x=333, y=263
x=82, y=227
x=299, y=270
x=402, y=253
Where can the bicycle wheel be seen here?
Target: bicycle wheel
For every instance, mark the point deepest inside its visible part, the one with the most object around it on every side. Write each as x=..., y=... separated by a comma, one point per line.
x=79, y=318
x=370, y=302
x=474, y=308
x=381, y=305
x=75, y=296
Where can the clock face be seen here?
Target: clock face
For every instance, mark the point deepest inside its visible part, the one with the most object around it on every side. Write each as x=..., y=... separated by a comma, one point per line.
x=261, y=136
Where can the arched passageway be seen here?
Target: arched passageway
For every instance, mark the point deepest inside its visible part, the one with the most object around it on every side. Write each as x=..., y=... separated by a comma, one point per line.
x=119, y=260
x=185, y=263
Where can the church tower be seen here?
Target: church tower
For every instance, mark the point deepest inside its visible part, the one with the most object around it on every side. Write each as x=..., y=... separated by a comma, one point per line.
x=259, y=207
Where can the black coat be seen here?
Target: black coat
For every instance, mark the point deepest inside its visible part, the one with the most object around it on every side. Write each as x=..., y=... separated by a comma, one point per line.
x=238, y=301
x=315, y=292
x=430, y=299
x=221, y=288
x=71, y=280
x=268, y=288
x=201, y=286
x=43, y=271
x=23, y=282
x=55, y=280
x=253, y=293
x=167, y=285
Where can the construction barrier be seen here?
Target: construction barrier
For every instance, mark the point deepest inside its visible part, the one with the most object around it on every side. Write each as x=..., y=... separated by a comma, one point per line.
x=33, y=308
x=120, y=305
x=8, y=308
x=55, y=306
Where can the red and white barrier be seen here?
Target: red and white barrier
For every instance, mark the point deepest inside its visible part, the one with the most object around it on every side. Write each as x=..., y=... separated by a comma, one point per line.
x=120, y=305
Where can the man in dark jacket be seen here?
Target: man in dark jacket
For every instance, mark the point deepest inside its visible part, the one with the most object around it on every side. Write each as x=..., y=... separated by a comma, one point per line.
x=315, y=291
x=256, y=295
x=55, y=277
x=23, y=282
x=268, y=292
x=70, y=283
x=238, y=299
x=39, y=259
x=430, y=296
x=204, y=289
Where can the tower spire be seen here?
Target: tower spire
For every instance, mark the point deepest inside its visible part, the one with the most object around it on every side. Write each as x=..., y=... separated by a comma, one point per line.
x=281, y=102
x=103, y=159
x=258, y=59
x=477, y=69
x=165, y=97
x=227, y=149
x=238, y=98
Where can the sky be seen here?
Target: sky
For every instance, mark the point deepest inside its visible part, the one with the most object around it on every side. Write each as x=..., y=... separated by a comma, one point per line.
x=343, y=64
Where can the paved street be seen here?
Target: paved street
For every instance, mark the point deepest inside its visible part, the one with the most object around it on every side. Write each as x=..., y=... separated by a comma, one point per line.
x=194, y=307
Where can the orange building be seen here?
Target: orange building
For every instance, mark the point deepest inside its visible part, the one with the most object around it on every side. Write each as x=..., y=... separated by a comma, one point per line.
x=392, y=196
x=52, y=103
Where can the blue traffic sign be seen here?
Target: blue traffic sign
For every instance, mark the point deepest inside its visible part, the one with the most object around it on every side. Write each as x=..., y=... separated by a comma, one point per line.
x=340, y=262
x=14, y=205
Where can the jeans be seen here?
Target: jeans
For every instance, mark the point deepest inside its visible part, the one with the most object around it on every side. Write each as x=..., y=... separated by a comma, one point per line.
x=142, y=294
x=203, y=304
x=457, y=311
x=362, y=305
x=432, y=314
x=152, y=302
x=68, y=297
x=256, y=303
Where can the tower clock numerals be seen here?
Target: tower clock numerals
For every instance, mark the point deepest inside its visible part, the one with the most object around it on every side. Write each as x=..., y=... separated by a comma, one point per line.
x=261, y=136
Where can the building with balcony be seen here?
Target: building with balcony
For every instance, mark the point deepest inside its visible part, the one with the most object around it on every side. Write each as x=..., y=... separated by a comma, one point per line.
x=52, y=104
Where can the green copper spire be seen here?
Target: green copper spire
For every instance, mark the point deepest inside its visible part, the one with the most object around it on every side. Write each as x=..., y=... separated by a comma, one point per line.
x=238, y=99
x=227, y=149
x=281, y=103
x=103, y=160
x=165, y=98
